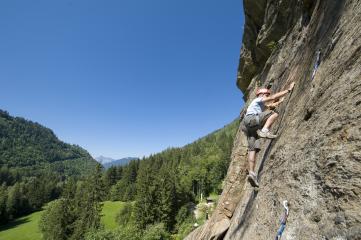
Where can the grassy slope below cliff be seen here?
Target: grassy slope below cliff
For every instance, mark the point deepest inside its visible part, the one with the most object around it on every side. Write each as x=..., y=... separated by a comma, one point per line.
x=26, y=227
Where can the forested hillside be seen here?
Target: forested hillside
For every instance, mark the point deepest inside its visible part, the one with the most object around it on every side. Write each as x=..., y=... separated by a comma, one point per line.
x=199, y=167
x=33, y=165
x=29, y=147
x=159, y=192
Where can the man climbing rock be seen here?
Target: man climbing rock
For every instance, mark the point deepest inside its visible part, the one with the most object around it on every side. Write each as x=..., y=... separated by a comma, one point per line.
x=257, y=123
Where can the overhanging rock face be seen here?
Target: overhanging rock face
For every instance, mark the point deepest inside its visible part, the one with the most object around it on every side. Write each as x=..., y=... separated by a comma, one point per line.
x=315, y=163
x=266, y=22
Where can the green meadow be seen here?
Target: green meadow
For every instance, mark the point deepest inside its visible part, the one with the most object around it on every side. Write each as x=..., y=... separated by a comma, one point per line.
x=110, y=210
x=26, y=228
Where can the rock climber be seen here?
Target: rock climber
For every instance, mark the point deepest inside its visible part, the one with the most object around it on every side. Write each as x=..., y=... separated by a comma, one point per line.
x=257, y=122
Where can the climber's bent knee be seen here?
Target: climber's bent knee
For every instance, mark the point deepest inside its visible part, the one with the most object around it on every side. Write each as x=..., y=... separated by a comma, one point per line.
x=274, y=114
x=263, y=116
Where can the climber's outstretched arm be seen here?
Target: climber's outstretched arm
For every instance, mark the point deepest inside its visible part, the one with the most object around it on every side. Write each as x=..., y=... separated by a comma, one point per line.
x=278, y=95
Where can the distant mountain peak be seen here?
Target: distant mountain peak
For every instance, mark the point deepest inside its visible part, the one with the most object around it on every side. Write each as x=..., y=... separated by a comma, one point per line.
x=108, y=162
x=102, y=159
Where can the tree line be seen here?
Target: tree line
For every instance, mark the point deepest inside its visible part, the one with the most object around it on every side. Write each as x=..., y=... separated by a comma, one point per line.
x=34, y=164
x=29, y=146
x=22, y=195
x=158, y=190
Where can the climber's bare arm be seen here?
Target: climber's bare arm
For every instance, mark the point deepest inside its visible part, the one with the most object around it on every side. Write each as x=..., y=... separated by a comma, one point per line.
x=276, y=103
x=278, y=95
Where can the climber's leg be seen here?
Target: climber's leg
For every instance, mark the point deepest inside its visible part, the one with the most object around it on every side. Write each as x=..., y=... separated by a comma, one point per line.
x=267, y=118
x=251, y=160
x=270, y=121
x=253, y=148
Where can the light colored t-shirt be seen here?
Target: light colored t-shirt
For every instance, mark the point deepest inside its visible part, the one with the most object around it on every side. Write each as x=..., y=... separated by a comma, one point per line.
x=256, y=106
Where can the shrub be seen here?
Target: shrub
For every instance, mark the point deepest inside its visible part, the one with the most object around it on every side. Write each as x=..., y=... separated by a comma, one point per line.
x=156, y=232
x=125, y=215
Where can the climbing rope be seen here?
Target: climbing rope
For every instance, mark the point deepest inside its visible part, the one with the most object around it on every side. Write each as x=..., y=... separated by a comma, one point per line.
x=283, y=220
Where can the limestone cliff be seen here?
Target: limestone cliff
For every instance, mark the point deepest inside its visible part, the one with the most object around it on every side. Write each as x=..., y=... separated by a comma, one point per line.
x=315, y=163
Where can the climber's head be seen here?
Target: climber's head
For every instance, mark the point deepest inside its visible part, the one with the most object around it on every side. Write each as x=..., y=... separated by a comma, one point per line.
x=264, y=91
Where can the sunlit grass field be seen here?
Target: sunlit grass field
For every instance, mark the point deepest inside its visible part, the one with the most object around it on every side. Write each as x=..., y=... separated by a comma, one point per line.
x=110, y=210
x=26, y=228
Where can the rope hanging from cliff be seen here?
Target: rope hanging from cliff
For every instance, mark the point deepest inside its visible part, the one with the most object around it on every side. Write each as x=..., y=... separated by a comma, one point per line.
x=283, y=220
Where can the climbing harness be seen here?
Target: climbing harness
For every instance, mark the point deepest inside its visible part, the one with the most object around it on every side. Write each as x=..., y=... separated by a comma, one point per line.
x=317, y=63
x=283, y=220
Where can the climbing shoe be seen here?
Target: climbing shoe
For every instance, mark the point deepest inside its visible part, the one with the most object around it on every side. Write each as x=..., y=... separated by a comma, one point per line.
x=252, y=179
x=262, y=134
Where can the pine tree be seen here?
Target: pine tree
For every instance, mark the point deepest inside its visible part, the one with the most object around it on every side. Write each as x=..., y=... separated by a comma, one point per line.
x=146, y=198
x=14, y=201
x=3, y=200
x=54, y=221
x=110, y=177
x=36, y=194
x=89, y=204
x=70, y=210
x=166, y=197
x=57, y=221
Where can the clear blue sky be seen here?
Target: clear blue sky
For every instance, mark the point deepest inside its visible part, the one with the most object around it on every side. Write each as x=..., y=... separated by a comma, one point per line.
x=122, y=77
